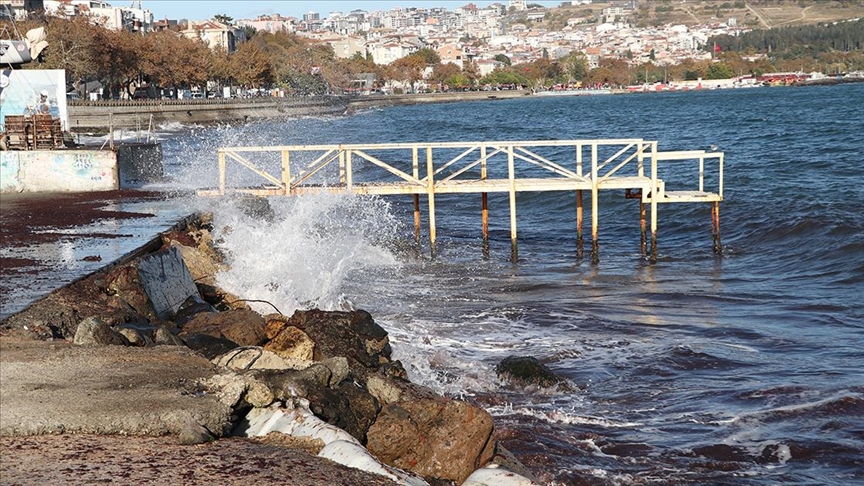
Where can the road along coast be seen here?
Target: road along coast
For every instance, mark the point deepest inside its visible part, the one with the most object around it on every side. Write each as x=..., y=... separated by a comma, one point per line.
x=138, y=115
x=151, y=347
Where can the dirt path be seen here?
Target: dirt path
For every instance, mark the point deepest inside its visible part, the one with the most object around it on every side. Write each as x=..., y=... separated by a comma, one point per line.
x=759, y=16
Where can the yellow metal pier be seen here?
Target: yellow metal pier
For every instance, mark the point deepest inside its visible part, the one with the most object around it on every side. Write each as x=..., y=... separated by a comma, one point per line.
x=630, y=165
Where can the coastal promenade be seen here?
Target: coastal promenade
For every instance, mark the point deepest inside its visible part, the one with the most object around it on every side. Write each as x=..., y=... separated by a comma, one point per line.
x=139, y=115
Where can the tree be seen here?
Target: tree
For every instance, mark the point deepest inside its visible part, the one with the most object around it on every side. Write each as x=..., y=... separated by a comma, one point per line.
x=719, y=71
x=502, y=58
x=223, y=19
x=443, y=71
x=429, y=56
x=575, y=66
x=251, y=67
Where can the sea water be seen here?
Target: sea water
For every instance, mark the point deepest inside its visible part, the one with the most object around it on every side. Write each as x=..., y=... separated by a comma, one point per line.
x=740, y=369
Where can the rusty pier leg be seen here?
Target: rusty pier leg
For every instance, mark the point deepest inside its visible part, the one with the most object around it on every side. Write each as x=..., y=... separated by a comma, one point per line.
x=484, y=213
x=580, y=217
x=417, y=219
x=643, y=228
x=715, y=228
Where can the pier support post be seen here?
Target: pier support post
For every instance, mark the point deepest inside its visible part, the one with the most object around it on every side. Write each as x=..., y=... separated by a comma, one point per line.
x=511, y=169
x=484, y=203
x=286, y=171
x=417, y=219
x=715, y=228
x=643, y=229
x=655, y=197
x=595, y=210
x=430, y=191
x=580, y=238
x=222, y=175
x=341, y=166
x=415, y=168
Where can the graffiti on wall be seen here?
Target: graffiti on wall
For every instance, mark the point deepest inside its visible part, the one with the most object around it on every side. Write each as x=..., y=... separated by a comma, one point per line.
x=63, y=171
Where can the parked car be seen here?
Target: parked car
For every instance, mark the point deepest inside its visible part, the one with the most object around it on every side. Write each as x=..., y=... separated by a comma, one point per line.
x=72, y=96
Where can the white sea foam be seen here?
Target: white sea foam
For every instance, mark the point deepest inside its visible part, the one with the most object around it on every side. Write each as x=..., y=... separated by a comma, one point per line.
x=562, y=417
x=304, y=256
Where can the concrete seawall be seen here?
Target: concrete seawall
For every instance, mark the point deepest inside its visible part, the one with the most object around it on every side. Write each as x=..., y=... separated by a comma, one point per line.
x=136, y=115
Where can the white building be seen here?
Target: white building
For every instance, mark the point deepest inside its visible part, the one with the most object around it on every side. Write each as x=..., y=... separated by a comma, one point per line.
x=114, y=18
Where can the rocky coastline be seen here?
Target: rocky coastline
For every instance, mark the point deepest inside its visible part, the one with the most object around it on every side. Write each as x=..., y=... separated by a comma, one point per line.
x=148, y=358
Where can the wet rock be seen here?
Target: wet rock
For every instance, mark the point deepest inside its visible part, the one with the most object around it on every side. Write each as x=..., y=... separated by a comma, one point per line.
x=436, y=438
x=192, y=433
x=209, y=346
x=167, y=281
x=191, y=307
x=285, y=384
x=339, y=370
x=125, y=283
x=522, y=371
x=94, y=331
x=257, y=358
x=164, y=335
x=243, y=327
x=354, y=335
x=136, y=336
x=202, y=265
x=291, y=343
x=254, y=206
x=347, y=406
x=388, y=390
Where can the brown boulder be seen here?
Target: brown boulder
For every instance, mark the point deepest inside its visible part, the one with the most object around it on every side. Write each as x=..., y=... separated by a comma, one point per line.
x=437, y=438
x=347, y=406
x=291, y=343
x=354, y=335
x=125, y=283
x=95, y=331
x=244, y=327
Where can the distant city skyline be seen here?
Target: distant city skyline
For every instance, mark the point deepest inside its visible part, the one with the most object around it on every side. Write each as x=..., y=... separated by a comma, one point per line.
x=202, y=9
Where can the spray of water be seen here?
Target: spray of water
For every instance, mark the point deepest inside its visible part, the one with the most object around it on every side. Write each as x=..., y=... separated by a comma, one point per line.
x=301, y=255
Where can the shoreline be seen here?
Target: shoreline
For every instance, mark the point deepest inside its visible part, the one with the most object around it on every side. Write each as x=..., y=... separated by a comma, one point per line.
x=164, y=380
x=97, y=117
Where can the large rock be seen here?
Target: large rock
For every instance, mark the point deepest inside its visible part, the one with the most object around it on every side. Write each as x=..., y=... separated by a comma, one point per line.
x=167, y=281
x=347, y=406
x=437, y=438
x=94, y=331
x=244, y=327
x=125, y=283
x=291, y=343
x=354, y=335
x=258, y=359
x=522, y=371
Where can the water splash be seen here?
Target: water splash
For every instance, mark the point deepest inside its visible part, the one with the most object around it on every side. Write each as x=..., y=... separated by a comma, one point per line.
x=303, y=254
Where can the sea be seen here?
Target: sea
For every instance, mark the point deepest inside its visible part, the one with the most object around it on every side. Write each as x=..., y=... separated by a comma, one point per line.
x=696, y=368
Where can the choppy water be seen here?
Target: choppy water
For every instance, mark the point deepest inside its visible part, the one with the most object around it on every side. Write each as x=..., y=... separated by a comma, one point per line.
x=744, y=369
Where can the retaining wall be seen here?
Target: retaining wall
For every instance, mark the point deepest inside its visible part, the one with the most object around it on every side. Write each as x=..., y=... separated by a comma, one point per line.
x=81, y=170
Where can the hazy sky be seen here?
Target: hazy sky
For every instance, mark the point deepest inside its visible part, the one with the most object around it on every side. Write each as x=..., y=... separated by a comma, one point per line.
x=239, y=9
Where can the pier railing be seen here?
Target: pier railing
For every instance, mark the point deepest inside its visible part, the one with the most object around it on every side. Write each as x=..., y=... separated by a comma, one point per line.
x=435, y=168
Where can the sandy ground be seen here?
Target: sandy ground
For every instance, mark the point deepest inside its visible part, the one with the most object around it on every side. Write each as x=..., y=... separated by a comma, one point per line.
x=110, y=414
x=89, y=459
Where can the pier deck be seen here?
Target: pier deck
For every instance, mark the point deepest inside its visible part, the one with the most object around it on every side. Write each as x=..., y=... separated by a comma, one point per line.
x=633, y=165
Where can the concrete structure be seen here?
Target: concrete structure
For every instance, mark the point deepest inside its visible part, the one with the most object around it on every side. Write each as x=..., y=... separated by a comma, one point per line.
x=19, y=9
x=84, y=170
x=85, y=116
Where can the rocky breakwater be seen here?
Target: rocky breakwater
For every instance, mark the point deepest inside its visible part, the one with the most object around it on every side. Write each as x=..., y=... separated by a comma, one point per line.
x=152, y=347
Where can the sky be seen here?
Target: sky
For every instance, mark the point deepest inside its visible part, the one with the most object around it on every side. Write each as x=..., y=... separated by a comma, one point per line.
x=240, y=9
